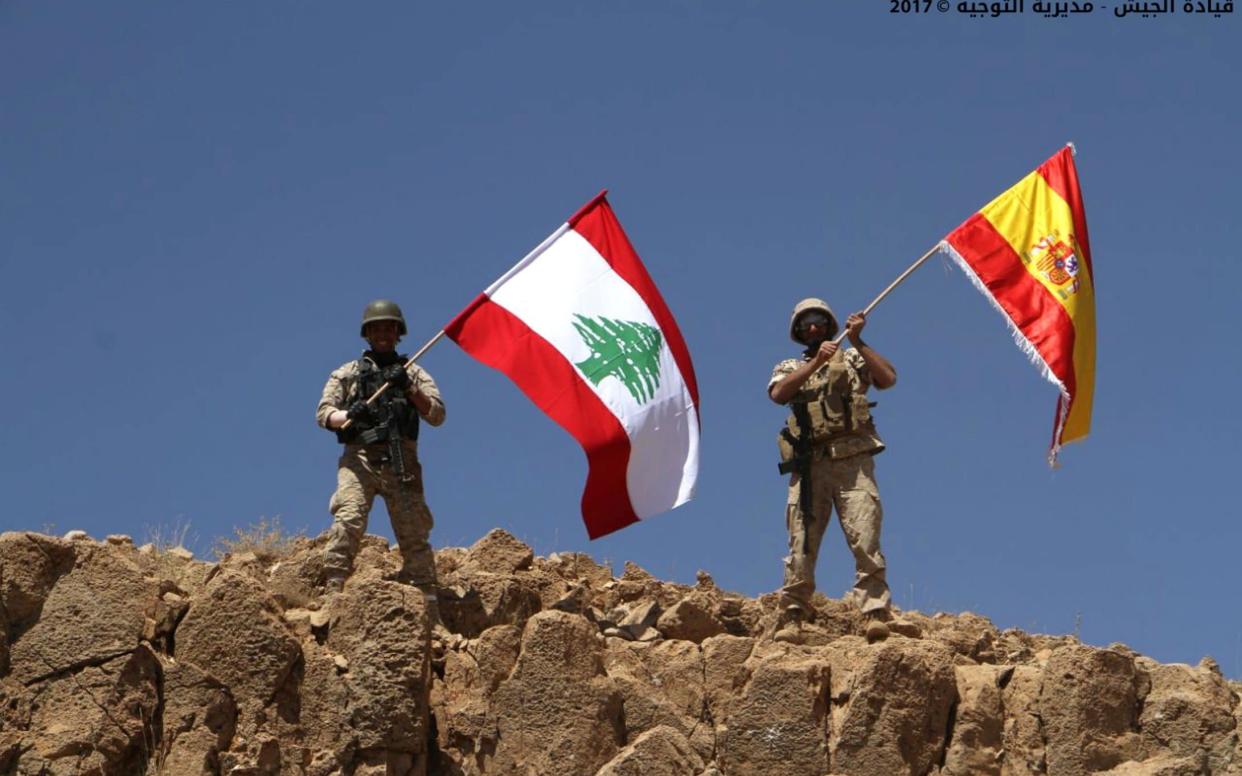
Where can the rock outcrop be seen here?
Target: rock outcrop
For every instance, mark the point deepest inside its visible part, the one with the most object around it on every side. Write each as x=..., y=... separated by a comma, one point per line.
x=116, y=660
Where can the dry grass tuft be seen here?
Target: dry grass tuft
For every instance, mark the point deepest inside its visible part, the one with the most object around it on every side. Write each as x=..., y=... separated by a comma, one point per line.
x=266, y=538
x=167, y=536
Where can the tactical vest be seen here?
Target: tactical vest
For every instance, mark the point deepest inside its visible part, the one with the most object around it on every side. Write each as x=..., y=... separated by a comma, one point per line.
x=830, y=411
x=394, y=413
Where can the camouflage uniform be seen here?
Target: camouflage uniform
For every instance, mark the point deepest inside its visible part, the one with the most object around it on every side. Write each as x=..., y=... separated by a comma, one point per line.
x=842, y=474
x=364, y=472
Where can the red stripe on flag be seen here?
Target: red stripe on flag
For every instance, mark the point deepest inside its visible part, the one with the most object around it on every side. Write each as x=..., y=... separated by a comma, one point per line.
x=459, y=321
x=1062, y=177
x=1040, y=318
x=582, y=211
x=500, y=339
x=599, y=227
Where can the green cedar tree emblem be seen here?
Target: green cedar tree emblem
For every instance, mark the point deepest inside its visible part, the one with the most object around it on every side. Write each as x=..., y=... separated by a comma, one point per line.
x=626, y=350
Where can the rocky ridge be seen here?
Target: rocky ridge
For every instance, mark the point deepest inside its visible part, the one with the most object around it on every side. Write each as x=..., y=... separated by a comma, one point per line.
x=116, y=659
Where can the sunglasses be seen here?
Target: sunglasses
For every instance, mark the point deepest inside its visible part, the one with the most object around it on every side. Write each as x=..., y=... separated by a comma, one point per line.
x=813, y=319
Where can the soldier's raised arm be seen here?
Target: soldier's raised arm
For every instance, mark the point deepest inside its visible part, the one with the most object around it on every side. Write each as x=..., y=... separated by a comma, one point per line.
x=880, y=370
x=789, y=386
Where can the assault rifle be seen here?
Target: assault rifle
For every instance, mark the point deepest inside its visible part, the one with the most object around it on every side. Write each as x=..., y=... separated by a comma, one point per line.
x=796, y=455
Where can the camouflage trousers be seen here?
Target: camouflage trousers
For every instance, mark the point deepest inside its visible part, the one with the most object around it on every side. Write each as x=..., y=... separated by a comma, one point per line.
x=848, y=484
x=362, y=474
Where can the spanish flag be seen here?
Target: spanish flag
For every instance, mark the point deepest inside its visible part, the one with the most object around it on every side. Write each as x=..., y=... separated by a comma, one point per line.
x=1027, y=251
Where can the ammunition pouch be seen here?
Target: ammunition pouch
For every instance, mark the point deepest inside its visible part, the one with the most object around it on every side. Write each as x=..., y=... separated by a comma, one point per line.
x=794, y=440
x=794, y=455
x=789, y=447
x=833, y=415
x=816, y=425
x=829, y=407
x=394, y=416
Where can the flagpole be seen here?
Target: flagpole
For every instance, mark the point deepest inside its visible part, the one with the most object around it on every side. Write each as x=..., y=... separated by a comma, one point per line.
x=867, y=310
x=439, y=336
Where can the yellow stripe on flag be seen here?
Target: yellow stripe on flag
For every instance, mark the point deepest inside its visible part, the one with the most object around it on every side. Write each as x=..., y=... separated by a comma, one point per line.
x=1039, y=225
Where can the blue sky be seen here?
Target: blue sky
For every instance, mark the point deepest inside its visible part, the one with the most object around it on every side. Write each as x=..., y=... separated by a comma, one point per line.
x=196, y=201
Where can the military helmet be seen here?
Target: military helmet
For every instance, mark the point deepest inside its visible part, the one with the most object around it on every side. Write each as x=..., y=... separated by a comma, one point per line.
x=805, y=306
x=382, y=310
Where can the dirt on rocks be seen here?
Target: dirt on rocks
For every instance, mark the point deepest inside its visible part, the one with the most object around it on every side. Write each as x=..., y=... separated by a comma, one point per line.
x=118, y=660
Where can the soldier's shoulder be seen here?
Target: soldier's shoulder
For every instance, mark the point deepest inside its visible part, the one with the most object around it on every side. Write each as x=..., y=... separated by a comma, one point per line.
x=346, y=370
x=788, y=365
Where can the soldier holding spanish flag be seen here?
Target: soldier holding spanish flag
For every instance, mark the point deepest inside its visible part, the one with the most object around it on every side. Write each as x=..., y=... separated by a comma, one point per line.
x=827, y=447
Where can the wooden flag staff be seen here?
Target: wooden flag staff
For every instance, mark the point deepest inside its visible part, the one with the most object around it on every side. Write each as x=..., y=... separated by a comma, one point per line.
x=867, y=311
x=380, y=391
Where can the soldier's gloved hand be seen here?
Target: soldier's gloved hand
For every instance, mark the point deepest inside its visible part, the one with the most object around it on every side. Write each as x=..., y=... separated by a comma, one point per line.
x=360, y=412
x=396, y=376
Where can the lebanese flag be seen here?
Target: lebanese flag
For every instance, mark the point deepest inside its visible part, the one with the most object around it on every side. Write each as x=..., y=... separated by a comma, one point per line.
x=579, y=326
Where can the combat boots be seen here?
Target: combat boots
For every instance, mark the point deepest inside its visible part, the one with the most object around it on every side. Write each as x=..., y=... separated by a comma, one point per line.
x=788, y=627
x=333, y=584
x=877, y=629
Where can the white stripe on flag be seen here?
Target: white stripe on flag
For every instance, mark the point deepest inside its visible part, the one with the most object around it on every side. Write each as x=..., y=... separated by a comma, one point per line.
x=570, y=277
